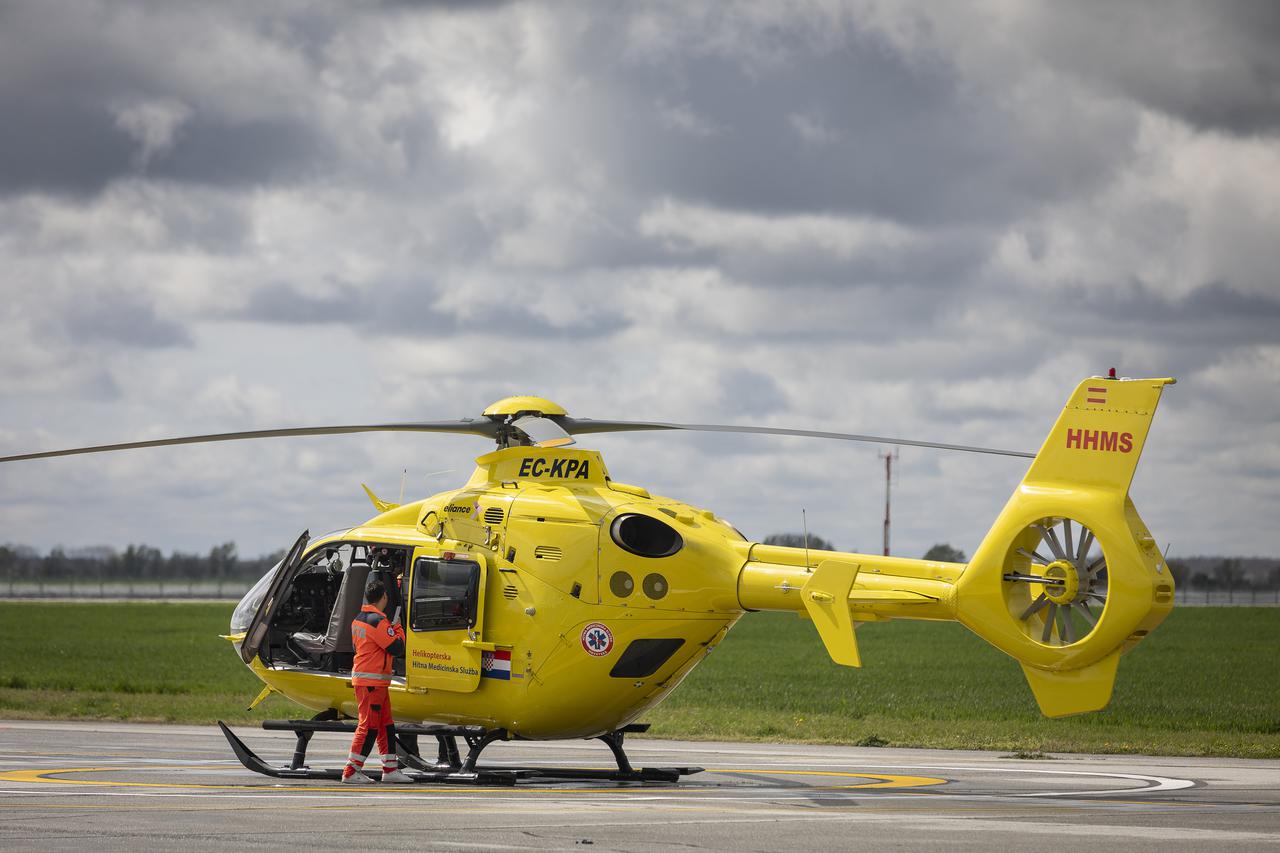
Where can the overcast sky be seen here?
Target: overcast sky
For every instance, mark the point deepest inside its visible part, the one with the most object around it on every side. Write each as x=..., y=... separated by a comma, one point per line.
x=919, y=219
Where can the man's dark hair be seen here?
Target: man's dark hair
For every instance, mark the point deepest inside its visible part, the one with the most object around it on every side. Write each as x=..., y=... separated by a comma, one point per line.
x=374, y=591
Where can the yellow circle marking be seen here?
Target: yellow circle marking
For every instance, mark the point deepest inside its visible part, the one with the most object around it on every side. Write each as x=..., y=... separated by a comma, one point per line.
x=46, y=775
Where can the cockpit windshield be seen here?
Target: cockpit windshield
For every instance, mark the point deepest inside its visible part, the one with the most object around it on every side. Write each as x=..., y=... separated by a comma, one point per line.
x=252, y=600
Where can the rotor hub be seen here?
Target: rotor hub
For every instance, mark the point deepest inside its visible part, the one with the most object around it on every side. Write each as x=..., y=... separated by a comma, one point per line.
x=1066, y=586
x=523, y=405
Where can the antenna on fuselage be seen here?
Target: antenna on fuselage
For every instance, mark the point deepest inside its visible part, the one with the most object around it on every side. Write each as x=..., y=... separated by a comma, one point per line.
x=428, y=476
x=804, y=521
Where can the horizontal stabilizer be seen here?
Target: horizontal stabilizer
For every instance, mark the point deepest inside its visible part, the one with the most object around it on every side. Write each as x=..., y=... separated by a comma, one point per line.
x=826, y=598
x=1075, y=691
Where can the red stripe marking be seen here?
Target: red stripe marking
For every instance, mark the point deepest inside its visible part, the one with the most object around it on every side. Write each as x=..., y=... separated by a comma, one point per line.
x=1095, y=400
x=1097, y=390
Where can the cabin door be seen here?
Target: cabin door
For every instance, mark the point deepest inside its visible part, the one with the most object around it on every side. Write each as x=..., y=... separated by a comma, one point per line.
x=257, y=630
x=443, y=631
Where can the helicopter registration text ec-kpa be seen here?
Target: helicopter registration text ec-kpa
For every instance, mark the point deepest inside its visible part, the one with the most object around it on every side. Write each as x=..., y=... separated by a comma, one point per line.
x=557, y=468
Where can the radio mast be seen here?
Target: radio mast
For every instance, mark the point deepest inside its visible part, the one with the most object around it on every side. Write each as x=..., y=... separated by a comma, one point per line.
x=888, y=479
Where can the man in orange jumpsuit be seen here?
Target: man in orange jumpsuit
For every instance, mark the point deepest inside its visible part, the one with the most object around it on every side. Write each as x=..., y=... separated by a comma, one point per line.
x=378, y=641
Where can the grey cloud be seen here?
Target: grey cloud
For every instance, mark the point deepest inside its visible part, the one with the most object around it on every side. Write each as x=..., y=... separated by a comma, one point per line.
x=1132, y=327
x=936, y=260
x=906, y=141
x=120, y=318
x=101, y=387
x=1213, y=313
x=748, y=392
x=414, y=310
x=1215, y=65
x=66, y=70
x=446, y=5
x=854, y=314
x=254, y=152
x=69, y=149
x=280, y=303
x=1188, y=329
x=58, y=145
x=515, y=321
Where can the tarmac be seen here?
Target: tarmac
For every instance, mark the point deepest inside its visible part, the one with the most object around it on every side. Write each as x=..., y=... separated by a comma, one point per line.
x=71, y=786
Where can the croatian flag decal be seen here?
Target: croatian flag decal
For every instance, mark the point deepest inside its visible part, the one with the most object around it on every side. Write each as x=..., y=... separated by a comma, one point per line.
x=496, y=665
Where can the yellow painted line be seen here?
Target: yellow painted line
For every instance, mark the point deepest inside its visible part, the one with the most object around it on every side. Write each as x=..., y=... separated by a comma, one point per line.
x=39, y=775
x=890, y=780
x=47, y=776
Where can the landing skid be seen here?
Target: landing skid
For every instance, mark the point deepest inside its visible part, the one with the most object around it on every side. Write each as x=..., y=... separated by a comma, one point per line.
x=449, y=767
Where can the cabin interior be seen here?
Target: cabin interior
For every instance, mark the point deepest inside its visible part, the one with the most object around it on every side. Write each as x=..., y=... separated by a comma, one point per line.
x=312, y=627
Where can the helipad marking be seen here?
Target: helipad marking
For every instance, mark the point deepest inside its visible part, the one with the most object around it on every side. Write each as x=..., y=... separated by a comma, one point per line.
x=47, y=775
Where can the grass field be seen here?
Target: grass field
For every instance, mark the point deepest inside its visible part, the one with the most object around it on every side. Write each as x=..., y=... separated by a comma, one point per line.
x=1206, y=683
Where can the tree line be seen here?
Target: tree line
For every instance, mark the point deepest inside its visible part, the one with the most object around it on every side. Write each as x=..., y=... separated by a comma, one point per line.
x=135, y=562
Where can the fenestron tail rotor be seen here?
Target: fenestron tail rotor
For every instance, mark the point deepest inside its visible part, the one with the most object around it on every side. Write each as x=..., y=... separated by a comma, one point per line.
x=1056, y=581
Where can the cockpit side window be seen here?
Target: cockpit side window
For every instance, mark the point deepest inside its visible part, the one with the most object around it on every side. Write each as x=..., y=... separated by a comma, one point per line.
x=645, y=536
x=444, y=595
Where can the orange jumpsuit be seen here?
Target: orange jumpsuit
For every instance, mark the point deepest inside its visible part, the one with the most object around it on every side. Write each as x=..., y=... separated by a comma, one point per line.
x=377, y=643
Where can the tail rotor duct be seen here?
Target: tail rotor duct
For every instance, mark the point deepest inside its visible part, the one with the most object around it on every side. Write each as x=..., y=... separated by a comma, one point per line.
x=1055, y=581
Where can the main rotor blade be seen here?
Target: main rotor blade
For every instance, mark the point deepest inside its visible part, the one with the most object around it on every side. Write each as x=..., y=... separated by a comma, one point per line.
x=489, y=429
x=485, y=428
x=582, y=426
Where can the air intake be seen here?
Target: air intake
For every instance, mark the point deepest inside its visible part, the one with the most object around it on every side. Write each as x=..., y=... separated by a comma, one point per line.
x=547, y=552
x=509, y=593
x=493, y=515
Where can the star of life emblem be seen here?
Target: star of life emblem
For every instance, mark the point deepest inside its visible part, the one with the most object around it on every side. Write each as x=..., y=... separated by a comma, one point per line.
x=597, y=640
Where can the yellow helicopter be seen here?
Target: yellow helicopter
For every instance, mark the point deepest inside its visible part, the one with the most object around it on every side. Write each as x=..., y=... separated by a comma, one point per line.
x=545, y=600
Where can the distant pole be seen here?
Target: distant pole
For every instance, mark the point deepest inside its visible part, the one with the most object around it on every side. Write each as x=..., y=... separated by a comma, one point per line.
x=888, y=479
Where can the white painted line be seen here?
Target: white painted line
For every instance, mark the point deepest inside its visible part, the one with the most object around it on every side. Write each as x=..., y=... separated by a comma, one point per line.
x=913, y=821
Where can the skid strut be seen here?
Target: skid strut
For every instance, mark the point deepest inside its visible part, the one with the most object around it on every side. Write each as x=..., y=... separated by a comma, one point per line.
x=449, y=767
